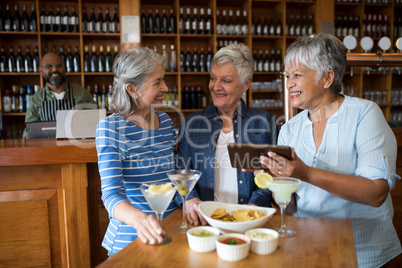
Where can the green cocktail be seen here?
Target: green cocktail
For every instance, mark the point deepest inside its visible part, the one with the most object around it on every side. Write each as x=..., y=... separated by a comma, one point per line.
x=282, y=189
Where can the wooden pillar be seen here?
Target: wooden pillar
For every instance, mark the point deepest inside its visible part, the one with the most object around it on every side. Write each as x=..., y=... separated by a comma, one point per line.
x=128, y=8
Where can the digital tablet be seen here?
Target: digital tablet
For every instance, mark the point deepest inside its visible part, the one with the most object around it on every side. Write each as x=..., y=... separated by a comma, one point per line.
x=247, y=155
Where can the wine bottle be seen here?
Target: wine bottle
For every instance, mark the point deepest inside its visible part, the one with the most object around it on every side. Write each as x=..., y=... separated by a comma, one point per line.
x=209, y=58
x=150, y=22
x=35, y=60
x=91, y=22
x=16, y=20
x=272, y=61
x=194, y=22
x=231, y=24
x=182, y=60
x=238, y=24
x=65, y=20
x=196, y=57
x=278, y=62
x=188, y=60
x=33, y=24
x=157, y=22
x=260, y=62
x=57, y=20
x=255, y=59
x=85, y=20
x=19, y=62
x=173, y=59
x=12, y=68
x=62, y=55
x=101, y=60
x=28, y=61
x=99, y=21
x=219, y=23
x=103, y=97
x=201, y=22
x=165, y=58
x=172, y=22
x=144, y=25
x=116, y=53
x=350, y=26
x=225, y=26
x=182, y=24
x=8, y=20
x=87, y=60
x=278, y=27
x=25, y=19
x=164, y=24
x=266, y=63
x=50, y=20
x=106, y=22
x=3, y=61
x=187, y=24
x=76, y=60
x=74, y=22
x=69, y=61
x=208, y=22
x=94, y=60
x=292, y=25
x=115, y=25
x=96, y=95
x=108, y=60
x=202, y=65
x=310, y=27
x=258, y=27
x=272, y=25
x=1, y=24
x=298, y=25
x=42, y=20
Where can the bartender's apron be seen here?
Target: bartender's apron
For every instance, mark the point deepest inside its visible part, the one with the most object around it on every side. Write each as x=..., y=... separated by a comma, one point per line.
x=49, y=108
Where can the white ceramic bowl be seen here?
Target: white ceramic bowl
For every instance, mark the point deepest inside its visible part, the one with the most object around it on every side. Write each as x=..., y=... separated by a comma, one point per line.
x=263, y=246
x=202, y=243
x=232, y=252
x=207, y=208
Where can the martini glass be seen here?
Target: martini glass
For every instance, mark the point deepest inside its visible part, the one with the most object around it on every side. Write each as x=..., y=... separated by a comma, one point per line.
x=283, y=187
x=159, y=201
x=185, y=179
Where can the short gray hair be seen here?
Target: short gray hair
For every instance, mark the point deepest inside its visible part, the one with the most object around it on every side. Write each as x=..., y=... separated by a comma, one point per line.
x=240, y=56
x=132, y=66
x=321, y=53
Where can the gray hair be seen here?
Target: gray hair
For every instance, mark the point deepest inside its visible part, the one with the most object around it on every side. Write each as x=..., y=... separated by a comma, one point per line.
x=240, y=56
x=321, y=53
x=132, y=66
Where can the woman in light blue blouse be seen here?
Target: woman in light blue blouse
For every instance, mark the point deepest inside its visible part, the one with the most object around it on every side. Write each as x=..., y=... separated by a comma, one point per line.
x=134, y=145
x=343, y=150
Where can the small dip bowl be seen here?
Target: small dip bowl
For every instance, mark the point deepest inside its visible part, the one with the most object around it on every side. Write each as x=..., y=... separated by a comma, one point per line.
x=232, y=247
x=202, y=239
x=263, y=241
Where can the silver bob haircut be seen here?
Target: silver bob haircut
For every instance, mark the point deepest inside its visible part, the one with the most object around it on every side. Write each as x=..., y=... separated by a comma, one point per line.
x=321, y=53
x=132, y=66
x=240, y=56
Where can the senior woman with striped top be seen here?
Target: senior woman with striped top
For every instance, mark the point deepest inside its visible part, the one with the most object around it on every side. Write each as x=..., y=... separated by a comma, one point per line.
x=134, y=146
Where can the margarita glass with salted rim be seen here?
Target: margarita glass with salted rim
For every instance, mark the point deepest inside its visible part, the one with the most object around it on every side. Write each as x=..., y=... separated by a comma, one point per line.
x=282, y=188
x=159, y=200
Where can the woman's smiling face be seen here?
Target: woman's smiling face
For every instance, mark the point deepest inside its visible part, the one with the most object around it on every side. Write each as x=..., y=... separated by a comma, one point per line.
x=226, y=88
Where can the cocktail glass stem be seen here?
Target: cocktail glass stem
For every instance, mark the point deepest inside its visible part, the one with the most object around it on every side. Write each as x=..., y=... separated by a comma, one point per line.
x=282, y=229
x=184, y=219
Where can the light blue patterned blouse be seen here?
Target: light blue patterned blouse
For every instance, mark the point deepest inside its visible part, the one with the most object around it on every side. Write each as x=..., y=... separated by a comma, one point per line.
x=358, y=141
x=128, y=156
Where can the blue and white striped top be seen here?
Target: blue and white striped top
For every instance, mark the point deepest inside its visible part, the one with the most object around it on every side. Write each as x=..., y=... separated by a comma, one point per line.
x=129, y=155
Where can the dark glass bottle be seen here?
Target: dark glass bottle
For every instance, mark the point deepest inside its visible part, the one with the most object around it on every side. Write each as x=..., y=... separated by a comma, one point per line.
x=33, y=22
x=101, y=60
x=106, y=22
x=115, y=25
x=69, y=61
x=84, y=20
x=258, y=26
x=1, y=21
x=338, y=27
x=62, y=55
x=28, y=61
x=3, y=61
x=16, y=20
x=87, y=60
x=278, y=24
x=50, y=20
x=267, y=61
x=57, y=20
x=188, y=61
x=108, y=60
x=99, y=22
x=25, y=19
x=194, y=22
x=116, y=53
x=182, y=25
x=209, y=58
x=164, y=24
x=182, y=60
x=42, y=20
x=195, y=63
x=96, y=95
x=143, y=22
x=208, y=22
x=298, y=25
x=260, y=61
x=94, y=60
x=157, y=22
x=292, y=25
x=12, y=68
x=172, y=22
x=310, y=26
x=65, y=21
x=8, y=20
x=19, y=62
x=187, y=23
x=74, y=22
x=91, y=23
x=150, y=28
x=202, y=60
x=35, y=60
x=278, y=62
x=76, y=60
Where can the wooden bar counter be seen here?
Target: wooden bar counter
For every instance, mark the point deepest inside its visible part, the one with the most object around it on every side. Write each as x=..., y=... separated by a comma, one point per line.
x=318, y=243
x=44, y=203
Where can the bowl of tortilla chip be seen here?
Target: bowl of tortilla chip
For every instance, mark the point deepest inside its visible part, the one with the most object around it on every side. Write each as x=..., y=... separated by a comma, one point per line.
x=234, y=217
